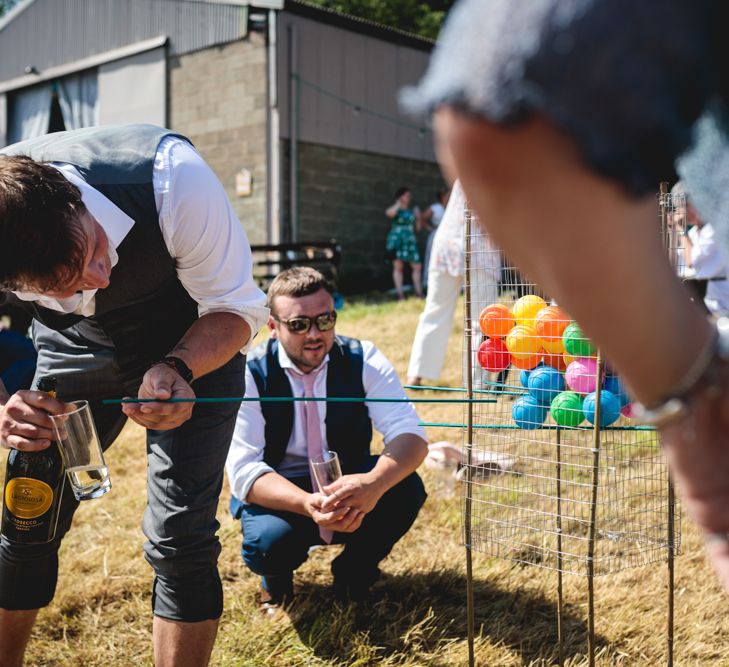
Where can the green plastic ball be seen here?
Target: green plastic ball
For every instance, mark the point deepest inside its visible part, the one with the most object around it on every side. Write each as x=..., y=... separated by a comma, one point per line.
x=566, y=409
x=576, y=343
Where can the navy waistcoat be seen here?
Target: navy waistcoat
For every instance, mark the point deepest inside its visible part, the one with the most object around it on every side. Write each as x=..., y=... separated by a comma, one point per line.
x=348, y=425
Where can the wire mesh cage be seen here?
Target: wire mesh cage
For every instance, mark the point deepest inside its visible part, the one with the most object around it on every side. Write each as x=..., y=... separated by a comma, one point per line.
x=560, y=475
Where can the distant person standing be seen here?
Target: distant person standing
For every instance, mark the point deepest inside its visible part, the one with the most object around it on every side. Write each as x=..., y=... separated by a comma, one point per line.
x=705, y=266
x=401, y=242
x=446, y=280
x=431, y=219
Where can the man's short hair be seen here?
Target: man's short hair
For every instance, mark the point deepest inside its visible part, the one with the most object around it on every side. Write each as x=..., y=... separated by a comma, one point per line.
x=43, y=244
x=297, y=281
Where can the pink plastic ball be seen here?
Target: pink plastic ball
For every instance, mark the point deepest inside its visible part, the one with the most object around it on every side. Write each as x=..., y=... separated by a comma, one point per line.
x=627, y=411
x=581, y=375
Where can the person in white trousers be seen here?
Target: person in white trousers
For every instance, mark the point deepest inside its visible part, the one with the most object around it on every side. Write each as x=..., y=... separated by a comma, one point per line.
x=445, y=282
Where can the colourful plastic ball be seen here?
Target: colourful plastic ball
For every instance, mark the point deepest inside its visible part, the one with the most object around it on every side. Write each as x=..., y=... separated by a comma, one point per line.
x=576, y=343
x=493, y=355
x=609, y=408
x=628, y=411
x=522, y=342
x=555, y=361
x=524, y=378
x=526, y=363
x=544, y=384
x=581, y=376
x=566, y=409
x=496, y=320
x=550, y=324
x=614, y=385
x=527, y=413
x=525, y=309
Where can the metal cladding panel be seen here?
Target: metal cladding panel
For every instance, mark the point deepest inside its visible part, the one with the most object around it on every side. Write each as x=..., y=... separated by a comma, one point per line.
x=348, y=85
x=49, y=33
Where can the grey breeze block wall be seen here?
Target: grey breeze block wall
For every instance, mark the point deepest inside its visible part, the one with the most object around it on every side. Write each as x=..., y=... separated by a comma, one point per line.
x=217, y=98
x=343, y=194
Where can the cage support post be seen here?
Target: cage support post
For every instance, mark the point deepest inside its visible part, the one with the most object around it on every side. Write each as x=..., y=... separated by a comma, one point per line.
x=560, y=635
x=670, y=528
x=593, y=518
x=470, y=612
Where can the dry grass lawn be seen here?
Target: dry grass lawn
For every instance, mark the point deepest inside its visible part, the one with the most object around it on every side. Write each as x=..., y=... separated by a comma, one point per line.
x=101, y=614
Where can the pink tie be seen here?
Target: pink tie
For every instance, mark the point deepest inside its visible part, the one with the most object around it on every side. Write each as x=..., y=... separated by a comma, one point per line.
x=314, y=442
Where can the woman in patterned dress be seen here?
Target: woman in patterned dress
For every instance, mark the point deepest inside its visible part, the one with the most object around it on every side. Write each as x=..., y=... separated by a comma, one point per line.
x=401, y=241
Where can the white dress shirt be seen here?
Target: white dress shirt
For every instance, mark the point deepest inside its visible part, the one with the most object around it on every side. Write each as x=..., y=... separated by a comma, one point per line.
x=200, y=230
x=245, y=459
x=707, y=262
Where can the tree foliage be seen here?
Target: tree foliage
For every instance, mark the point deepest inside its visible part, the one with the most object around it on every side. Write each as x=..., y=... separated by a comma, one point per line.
x=7, y=5
x=417, y=16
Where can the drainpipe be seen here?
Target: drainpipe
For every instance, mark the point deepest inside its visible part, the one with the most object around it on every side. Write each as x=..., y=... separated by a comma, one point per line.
x=293, y=134
x=274, y=139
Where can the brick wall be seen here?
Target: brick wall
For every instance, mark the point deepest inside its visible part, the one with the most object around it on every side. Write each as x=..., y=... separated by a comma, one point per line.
x=343, y=194
x=217, y=98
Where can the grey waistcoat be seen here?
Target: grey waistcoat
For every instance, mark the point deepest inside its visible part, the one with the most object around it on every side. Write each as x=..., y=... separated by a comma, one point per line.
x=145, y=310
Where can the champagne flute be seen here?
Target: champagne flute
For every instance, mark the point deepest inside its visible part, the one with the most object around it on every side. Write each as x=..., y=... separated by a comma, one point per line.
x=326, y=469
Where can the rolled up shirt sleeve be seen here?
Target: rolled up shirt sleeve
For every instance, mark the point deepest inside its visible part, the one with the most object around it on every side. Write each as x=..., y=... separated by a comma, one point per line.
x=205, y=237
x=381, y=381
x=245, y=462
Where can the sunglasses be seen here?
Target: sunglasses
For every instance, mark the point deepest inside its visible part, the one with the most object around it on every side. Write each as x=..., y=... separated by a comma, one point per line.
x=301, y=325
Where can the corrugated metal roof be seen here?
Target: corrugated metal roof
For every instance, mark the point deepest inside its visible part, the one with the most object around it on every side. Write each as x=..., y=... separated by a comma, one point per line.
x=50, y=33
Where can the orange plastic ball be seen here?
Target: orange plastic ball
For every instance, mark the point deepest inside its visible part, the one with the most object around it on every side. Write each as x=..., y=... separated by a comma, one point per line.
x=496, y=320
x=526, y=363
x=550, y=324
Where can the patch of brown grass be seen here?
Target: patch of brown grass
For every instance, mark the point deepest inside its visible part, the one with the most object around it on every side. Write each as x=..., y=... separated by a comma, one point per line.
x=101, y=614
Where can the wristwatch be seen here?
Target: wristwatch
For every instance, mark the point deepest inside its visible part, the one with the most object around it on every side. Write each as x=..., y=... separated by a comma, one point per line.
x=178, y=365
x=705, y=375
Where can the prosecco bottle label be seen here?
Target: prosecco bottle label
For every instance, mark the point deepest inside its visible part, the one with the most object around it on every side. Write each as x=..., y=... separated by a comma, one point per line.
x=28, y=498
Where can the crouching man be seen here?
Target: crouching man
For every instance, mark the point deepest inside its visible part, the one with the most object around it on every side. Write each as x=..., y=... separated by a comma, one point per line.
x=376, y=500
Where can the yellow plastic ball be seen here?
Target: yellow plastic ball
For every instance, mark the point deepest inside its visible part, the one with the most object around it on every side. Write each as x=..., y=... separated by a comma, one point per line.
x=525, y=309
x=523, y=342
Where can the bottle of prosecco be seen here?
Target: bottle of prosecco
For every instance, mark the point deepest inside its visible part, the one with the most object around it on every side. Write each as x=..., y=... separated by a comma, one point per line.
x=33, y=488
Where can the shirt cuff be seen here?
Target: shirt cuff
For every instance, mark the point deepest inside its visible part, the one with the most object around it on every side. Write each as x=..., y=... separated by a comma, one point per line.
x=245, y=478
x=412, y=430
x=254, y=316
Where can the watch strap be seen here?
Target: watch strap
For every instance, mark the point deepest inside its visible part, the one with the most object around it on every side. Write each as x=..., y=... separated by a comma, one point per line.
x=178, y=365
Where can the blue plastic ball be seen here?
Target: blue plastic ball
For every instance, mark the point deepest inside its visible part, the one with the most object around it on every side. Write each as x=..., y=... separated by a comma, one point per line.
x=609, y=408
x=544, y=384
x=615, y=386
x=524, y=375
x=527, y=413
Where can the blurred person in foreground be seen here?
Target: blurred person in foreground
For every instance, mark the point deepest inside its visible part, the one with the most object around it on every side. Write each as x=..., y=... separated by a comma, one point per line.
x=561, y=118
x=122, y=244
x=376, y=500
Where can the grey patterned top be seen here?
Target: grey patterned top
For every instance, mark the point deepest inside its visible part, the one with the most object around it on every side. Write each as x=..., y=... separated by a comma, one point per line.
x=627, y=79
